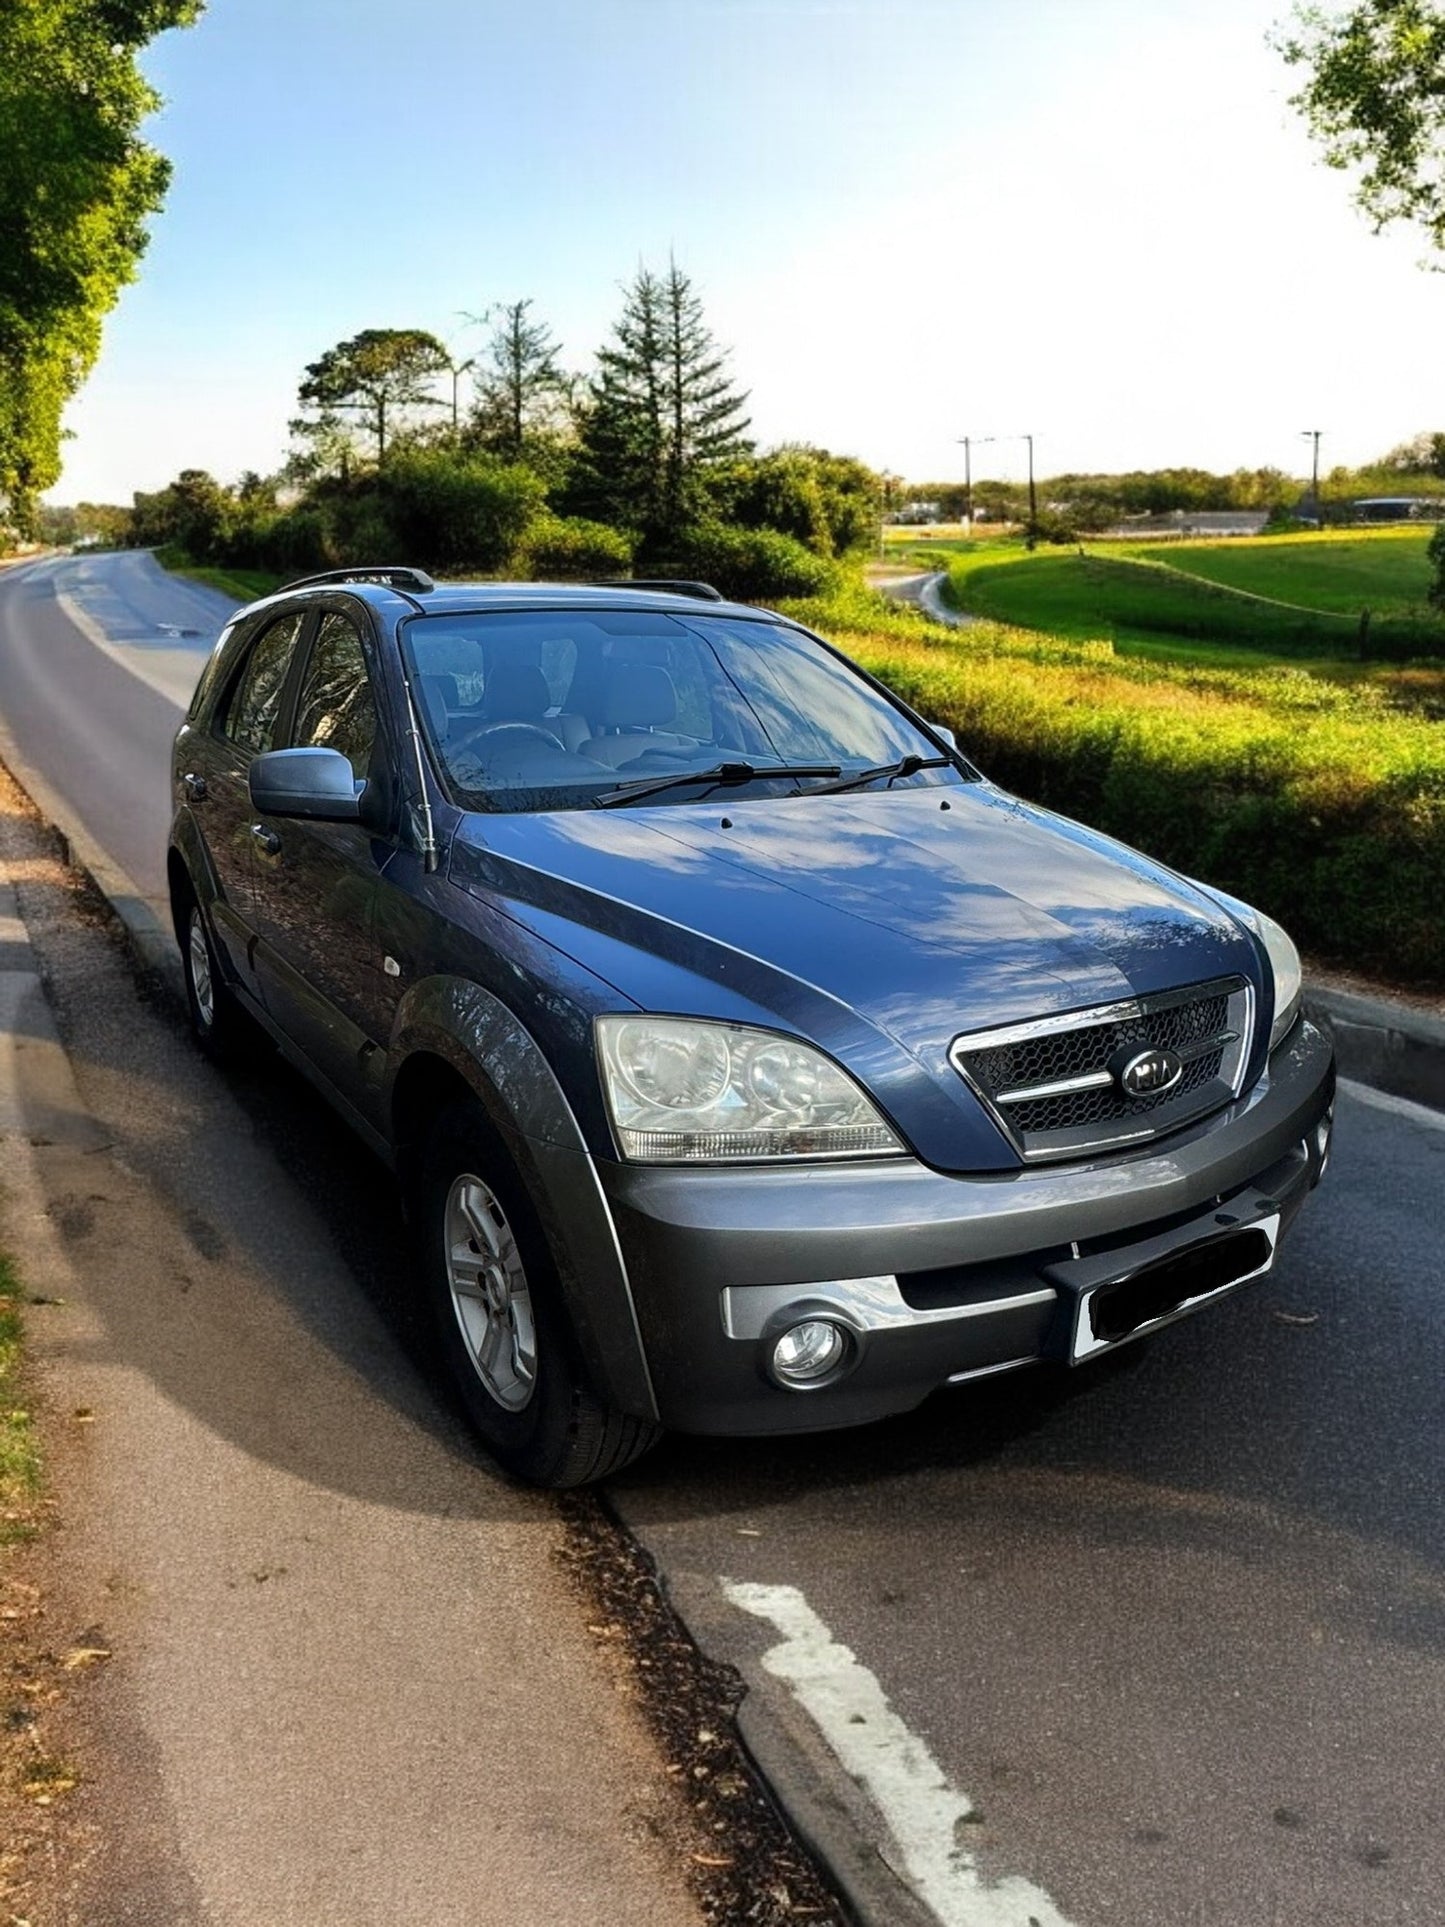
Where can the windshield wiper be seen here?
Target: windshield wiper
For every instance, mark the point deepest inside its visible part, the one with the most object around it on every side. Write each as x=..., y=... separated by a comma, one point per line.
x=905, y=766
x=720, y=773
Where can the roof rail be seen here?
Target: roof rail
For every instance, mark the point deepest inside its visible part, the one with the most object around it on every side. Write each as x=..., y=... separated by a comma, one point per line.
x=664, y=585
x=415, y=580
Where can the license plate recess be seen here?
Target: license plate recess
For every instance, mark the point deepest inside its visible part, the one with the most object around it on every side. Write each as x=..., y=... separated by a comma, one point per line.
x=1120, y=1295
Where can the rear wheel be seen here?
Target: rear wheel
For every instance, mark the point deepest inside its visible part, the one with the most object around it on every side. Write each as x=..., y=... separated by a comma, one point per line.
x=218, y=1022
x=500, y=1319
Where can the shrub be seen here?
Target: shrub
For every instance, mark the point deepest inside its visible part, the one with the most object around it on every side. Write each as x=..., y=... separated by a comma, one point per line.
x=442, y=510
x=559, y=549
x=754, y=565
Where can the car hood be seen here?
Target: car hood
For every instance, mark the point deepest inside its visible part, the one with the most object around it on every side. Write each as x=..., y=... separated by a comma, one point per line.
x=914, y=914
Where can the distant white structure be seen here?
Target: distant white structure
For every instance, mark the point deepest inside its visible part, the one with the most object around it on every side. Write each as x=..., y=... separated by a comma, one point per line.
x=1196, y=522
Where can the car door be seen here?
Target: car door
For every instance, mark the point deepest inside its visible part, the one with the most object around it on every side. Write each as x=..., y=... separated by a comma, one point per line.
x=248, y=719
x=314, y=882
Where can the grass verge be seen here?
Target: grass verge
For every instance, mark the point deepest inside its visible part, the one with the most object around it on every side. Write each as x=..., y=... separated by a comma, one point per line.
x=1323, y=804
x=246, y=585
x=19, y=1447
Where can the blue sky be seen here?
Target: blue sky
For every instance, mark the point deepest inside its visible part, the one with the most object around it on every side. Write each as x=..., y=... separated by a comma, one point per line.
x=1095, y=220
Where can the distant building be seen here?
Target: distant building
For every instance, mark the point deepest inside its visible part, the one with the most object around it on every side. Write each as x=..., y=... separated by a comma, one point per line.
x=918, y=512
x=1195, y=522
x=1396, y=508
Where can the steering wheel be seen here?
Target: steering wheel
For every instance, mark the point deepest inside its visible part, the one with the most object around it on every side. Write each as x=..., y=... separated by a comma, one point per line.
x=481, y=730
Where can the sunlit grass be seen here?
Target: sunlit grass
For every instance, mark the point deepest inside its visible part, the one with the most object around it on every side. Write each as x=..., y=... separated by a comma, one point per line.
x=19, y=1448
x=1300, y=599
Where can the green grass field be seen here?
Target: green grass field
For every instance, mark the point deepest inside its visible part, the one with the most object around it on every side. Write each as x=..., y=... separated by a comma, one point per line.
x=1295, y=599
x=1384, y=571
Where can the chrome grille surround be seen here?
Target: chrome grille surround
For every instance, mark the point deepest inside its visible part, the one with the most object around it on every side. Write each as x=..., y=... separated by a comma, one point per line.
x=1048, y=1086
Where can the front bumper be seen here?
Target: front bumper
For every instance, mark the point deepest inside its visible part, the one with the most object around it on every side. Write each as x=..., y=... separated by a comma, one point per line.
x=936, y=1279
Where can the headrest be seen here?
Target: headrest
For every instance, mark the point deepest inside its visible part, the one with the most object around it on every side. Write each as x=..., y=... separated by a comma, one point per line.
x=637, y=695
x=439, y=694
x=516, y=691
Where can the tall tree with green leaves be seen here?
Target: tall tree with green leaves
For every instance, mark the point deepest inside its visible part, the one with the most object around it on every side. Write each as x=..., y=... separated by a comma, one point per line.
x=77, y=185
x=1374, y=98
x=377, y=375
x=663, y=412
x=522, y=391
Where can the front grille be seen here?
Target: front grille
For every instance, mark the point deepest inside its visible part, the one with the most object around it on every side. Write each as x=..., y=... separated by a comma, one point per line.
x=1053, y=1085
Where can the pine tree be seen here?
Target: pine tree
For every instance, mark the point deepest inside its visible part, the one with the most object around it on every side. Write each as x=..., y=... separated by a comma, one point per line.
x=522, y=390
x=705, y=422
x=663, y=411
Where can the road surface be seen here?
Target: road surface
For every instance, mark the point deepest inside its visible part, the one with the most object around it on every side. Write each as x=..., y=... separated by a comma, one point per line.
x=1168, y=1638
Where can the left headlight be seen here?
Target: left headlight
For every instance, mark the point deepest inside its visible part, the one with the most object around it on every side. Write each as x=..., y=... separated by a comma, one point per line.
x=1284, y=963
x=683, y=1089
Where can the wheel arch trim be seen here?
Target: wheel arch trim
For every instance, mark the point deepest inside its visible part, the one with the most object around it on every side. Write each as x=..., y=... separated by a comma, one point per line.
x=482, y=1040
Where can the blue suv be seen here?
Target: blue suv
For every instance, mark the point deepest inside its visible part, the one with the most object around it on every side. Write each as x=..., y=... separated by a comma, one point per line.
x=750, y=1062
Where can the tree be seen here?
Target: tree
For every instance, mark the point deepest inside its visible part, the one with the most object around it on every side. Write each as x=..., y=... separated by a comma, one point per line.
x=375, y=374
x=194, y=512
x=1374, y=99
x=1423, y=454
x=76, y=187
x=522, y=391
x=663, y=413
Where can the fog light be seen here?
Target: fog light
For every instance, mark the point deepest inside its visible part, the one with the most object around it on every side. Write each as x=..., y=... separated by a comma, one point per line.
x=808, y=1352
x=1324, y=1134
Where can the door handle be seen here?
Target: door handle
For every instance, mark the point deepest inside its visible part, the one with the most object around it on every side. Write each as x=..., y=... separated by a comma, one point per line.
x=268, y=839
x=195, y=786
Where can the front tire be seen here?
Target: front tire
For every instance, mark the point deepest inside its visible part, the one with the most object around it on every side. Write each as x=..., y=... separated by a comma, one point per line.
x=500, y=1319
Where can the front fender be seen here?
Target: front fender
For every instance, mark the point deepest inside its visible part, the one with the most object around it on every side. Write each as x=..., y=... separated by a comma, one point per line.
x=488, y=1046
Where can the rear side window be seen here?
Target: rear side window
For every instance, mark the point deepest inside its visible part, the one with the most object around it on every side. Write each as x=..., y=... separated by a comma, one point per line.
x=256, y=699
x=337, y=709
x=213, y=666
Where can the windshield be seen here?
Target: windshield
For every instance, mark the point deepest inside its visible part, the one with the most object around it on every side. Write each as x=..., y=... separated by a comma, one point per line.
x=561, y=709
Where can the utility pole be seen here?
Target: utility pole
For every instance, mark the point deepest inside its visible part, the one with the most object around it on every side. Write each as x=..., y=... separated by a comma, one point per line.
x=1313, y=434
x=1033, y=534
x=457, y=369
x=970, y=442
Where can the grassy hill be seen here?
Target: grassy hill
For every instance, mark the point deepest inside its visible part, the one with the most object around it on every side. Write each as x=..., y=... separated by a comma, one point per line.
x=1247, y=602
x=1385, y=571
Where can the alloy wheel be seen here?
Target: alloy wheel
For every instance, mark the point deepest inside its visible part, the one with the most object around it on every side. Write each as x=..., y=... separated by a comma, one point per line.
x=198, y=956
x=490, y=1294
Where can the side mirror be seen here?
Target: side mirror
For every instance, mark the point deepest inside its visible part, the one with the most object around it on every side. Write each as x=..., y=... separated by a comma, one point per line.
x=314, y=783
x=942, y=730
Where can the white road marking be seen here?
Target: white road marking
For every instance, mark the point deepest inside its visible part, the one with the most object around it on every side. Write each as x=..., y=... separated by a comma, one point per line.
x=1397, y=1106
x=922, y=1811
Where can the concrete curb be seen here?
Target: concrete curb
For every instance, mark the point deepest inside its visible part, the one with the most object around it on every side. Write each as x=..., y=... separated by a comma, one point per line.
x=1391, y=1046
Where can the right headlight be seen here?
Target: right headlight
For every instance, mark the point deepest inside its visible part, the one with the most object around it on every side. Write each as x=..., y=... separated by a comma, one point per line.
x=684, y=1089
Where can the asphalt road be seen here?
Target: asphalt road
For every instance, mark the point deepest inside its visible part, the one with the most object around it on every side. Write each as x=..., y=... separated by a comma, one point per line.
x=98, y=656
x=1173, y=1630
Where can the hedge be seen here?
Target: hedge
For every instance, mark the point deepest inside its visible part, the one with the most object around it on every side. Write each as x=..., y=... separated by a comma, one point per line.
x=1321, y=803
